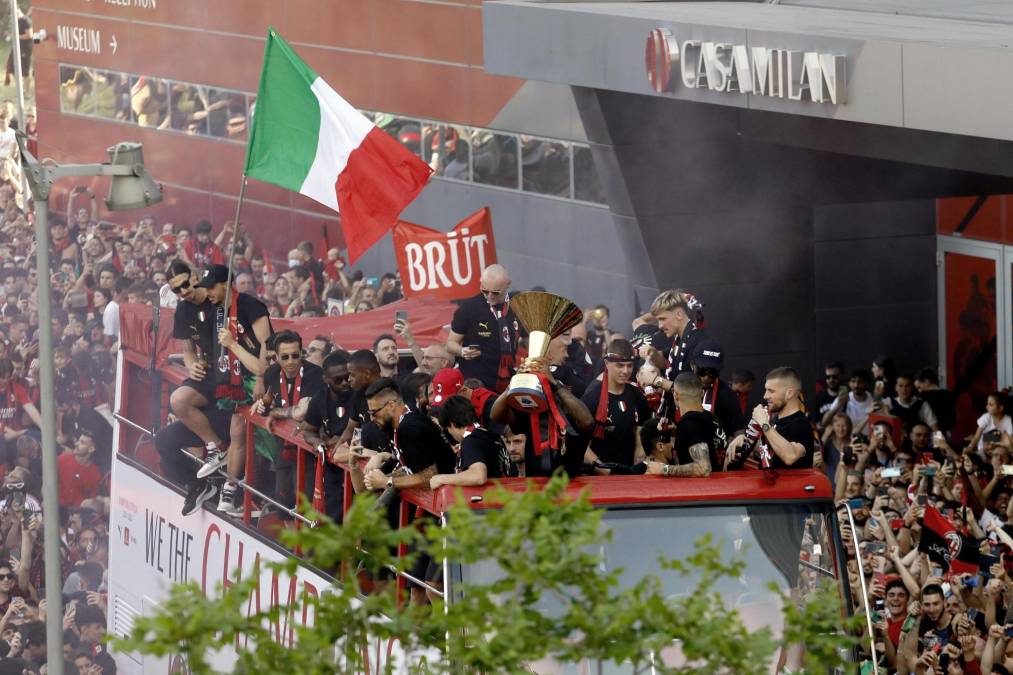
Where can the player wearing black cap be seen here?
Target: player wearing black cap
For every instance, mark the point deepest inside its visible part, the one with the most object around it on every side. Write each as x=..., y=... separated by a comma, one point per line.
x=718, y=397
x=620, y=408
x=239, y=358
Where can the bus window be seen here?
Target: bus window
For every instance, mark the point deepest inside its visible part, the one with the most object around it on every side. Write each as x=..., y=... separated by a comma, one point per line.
x=786, y=545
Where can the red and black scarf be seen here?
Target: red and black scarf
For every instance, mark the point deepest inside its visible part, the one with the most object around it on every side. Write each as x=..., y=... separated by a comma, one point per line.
x=227, y=363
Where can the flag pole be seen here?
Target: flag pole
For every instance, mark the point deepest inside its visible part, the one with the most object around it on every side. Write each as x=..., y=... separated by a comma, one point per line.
x=232, y=245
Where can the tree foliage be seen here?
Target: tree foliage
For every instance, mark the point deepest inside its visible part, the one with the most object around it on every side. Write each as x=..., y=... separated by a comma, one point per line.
x=543, y=597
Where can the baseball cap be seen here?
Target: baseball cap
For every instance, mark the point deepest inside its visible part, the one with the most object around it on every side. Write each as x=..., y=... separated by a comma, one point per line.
x=649, y=334
x=213, y=274
x=709, y=354
x=446, y=383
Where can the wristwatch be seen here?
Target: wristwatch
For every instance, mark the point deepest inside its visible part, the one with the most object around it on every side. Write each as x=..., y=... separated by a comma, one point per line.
x=666, y=470
x=765, y=427
x=390, y=482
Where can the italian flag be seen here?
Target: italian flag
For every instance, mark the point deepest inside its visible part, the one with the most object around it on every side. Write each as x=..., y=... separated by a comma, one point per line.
x=308, y=139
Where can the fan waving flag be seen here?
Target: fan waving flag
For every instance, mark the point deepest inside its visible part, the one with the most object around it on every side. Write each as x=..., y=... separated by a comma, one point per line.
x=308, y=139
x=946, y=546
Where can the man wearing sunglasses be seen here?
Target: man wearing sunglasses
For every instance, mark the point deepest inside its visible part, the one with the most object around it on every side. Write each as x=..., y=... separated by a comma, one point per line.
x=484, y=332
x=290, y=385
x=193, y=325
x=326, y=419
x=240, y=350
x=420, y=449
x=718, y=396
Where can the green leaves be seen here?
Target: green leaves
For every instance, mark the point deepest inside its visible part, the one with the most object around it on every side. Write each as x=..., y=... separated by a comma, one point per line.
x=532, y=586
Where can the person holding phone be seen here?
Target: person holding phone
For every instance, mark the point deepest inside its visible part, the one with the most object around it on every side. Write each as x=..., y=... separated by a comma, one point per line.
x=992, y=424
x=484, y=331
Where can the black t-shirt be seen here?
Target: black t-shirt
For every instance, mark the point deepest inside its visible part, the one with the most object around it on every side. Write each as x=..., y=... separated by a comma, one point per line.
x=823, y=402
x=310, y=383
x=195, y=323
x=248, y=310
x=683, y=349
x=358, y=409
x=699, y=427
x=475, y=320
x=329, y=412
x=484, y=446
x=909, y=414
x=797, y=429
x=626, y=412
x=943, y=406
x=376, y=438
x=571, y=461
x=726, y=408
x=579, y=362
x=419, y=443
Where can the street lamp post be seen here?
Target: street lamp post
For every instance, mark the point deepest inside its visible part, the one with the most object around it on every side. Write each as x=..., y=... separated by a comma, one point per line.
x=131, y=188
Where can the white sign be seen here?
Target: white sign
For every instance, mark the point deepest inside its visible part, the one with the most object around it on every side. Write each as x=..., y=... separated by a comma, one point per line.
x=142, y=4
x=761, y=71
x=152, y=546
x=79, y=39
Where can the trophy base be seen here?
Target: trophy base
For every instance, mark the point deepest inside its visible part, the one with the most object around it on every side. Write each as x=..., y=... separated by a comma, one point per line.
x=525, y=394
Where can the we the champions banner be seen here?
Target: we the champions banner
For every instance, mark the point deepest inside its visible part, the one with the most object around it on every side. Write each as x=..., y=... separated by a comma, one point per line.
x=444, y=265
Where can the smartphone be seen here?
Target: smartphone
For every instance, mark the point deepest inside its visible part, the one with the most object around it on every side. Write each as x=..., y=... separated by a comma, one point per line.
x=938, y=436
x=357, y=436
x=883, y=491
x=875, y=547
x=849, y=457
x=923, y=500
x=928, y=457
x=373, y=281
x=1007, y=469
x=991, y=436
x=880, y=604
x=1009, y=632
x=896, y=523
x=972, y=582
x=880, y=578
x=890, y=472
x=400, y=316
x=972, y=614
x=856, y=503
x=929, y=471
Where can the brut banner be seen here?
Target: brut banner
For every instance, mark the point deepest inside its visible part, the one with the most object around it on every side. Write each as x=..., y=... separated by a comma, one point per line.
x=445, y=265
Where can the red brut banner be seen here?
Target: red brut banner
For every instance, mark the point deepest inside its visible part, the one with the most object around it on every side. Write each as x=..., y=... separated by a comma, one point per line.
x=445, y=265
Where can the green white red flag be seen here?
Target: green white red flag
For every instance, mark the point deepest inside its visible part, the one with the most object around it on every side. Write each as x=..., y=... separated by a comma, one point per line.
x=306, y=138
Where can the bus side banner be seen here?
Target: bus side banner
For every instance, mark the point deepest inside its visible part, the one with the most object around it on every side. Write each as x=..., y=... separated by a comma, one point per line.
x=152, y=547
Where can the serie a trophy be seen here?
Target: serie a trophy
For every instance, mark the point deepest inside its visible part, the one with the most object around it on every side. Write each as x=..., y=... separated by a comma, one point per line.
x=545, y=316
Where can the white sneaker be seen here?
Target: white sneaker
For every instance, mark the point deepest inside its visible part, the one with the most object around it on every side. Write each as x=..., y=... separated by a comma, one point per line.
x=227, y=501
x=214, y=459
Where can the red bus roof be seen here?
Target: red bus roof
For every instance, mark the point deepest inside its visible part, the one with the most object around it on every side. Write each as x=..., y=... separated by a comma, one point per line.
x=747, y=486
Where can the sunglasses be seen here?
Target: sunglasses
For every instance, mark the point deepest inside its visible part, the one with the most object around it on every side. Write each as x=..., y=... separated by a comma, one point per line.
x=182, y=287
x=288, y=357
x=10, y=576
x=374, y=413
